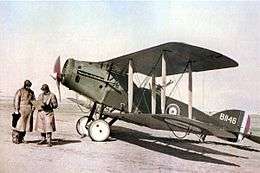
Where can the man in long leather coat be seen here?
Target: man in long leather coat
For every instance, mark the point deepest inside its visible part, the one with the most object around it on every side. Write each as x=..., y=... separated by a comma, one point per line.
x=45, y=122
x=24, y=107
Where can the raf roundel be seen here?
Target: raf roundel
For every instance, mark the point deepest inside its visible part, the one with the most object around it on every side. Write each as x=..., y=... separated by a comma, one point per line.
x=173, y=109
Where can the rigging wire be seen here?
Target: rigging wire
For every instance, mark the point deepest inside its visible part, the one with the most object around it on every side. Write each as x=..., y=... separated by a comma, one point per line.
x=203, y=91
x=173, y=89
x=177, y=82
x=145, y=101
x=145, y=81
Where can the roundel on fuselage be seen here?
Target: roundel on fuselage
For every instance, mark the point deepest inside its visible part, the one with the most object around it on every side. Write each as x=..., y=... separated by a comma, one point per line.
x=173, y=109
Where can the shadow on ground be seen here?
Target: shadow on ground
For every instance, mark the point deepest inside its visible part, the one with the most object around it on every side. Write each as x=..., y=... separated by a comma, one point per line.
x=241, y=147
x=183, y=149
x=58, y=141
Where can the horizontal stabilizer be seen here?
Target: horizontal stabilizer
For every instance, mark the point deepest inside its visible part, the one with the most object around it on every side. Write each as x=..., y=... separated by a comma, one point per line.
x=254, y=138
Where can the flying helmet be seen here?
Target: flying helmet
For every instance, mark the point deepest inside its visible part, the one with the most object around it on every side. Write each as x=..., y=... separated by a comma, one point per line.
x=27, y=83
x=45, y=87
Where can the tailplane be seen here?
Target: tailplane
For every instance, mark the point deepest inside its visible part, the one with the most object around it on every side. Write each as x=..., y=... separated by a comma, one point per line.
x=254, y=133
x=253, y=138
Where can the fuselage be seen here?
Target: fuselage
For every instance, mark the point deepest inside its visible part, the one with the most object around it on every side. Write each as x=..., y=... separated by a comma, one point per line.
x=101, y=84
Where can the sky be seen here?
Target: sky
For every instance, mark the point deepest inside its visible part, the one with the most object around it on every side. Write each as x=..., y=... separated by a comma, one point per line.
x=34, y=34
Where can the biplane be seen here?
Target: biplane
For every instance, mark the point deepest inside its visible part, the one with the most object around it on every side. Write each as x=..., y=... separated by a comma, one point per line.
x=110, y=84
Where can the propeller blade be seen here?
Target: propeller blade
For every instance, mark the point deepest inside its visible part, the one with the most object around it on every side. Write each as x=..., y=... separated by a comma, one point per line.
x=57, y=70
x=57, y=66
x=58, y=86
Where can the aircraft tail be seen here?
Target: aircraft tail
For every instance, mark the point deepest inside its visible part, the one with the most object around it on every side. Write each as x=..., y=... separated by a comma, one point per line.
x=235, y=121
x=254, y=134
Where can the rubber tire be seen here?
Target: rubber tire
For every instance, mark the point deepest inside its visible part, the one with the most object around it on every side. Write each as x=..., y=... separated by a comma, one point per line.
x=99, y=130
x=82, y=126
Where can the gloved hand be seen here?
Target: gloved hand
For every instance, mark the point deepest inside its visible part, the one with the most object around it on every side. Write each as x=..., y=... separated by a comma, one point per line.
x=46, y=107
x=16, y=111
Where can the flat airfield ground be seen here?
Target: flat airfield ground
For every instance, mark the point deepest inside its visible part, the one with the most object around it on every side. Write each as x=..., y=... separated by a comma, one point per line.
x=130, y=148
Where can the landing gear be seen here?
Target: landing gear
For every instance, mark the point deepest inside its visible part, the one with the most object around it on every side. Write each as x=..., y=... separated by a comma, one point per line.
x=99, y=130
x=203, y=136
x=82, y=126
x=84, y=122
x=96, y=128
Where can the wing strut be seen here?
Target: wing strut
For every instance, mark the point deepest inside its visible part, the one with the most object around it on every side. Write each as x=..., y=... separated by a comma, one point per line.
x=130, y=85
x=153, y=99
x=163, y=89
x=190, y=90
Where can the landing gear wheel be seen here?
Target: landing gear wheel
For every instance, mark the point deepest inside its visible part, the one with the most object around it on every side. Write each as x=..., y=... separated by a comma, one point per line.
x=82, y=126
x=99, y=130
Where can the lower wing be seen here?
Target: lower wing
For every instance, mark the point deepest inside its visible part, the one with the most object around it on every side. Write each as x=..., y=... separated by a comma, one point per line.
x=179, y=121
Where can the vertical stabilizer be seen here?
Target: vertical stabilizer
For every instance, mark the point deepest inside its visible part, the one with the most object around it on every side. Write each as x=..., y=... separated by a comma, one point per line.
x=235, y=121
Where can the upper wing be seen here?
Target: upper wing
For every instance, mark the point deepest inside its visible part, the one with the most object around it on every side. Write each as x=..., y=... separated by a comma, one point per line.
x=177, y=55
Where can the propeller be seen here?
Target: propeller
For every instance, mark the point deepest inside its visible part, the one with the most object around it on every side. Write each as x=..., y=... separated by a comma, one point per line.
x=57, y=71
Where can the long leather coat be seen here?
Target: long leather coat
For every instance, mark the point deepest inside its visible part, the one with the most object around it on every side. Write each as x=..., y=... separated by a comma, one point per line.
x=23, y=105
x=45, y=121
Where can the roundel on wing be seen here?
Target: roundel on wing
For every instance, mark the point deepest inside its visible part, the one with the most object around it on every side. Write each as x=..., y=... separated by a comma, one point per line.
x=173, y=109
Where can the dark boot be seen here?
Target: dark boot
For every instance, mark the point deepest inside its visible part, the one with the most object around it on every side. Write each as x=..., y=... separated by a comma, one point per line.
x=21, y=137
x=43, y=139
x=15, y=137
x=49, y=142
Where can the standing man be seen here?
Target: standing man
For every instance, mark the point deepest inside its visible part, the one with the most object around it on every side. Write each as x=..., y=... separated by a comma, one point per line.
x=45, y=122
x=23, y=106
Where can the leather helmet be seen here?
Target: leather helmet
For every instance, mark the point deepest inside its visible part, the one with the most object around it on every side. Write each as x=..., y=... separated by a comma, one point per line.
x=45, y=87
x=27, y=83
